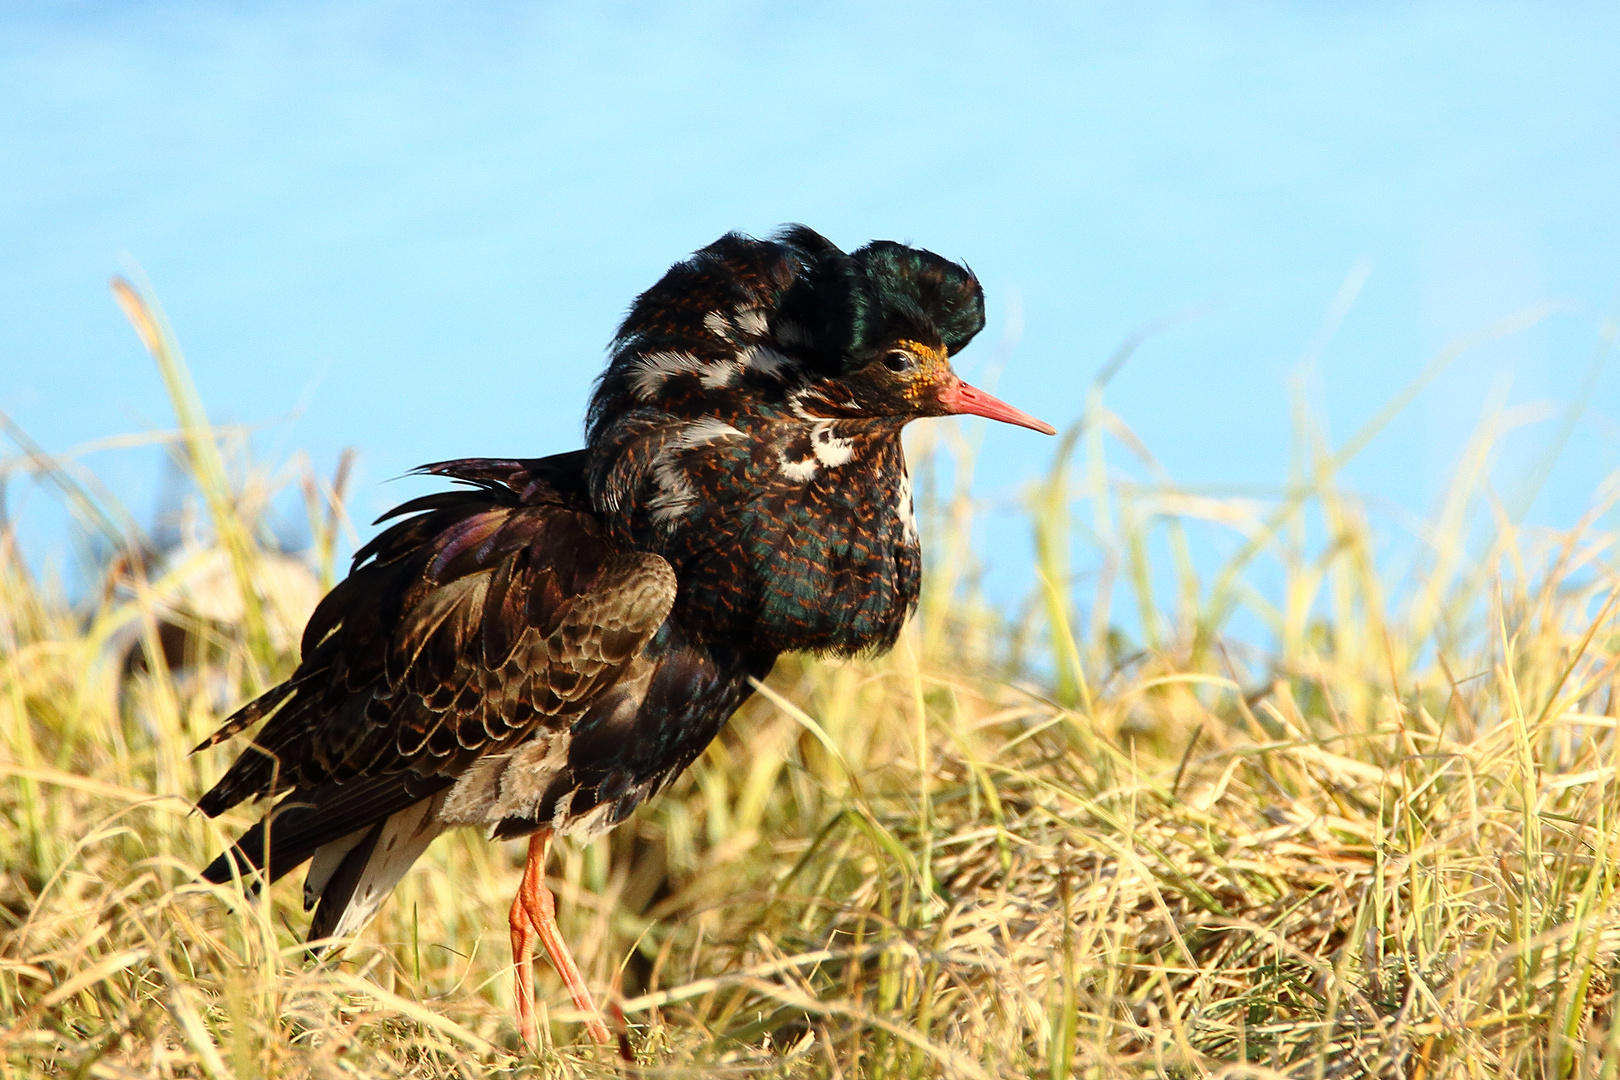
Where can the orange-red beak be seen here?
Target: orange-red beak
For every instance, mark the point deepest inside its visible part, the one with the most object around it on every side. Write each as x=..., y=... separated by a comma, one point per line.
x=959, y=397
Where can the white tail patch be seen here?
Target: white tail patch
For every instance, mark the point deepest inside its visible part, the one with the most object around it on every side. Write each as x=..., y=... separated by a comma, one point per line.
x=404, y=837
x=328, y=857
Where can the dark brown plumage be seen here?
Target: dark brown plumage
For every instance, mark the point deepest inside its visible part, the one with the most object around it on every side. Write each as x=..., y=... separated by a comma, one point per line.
x=541, y=651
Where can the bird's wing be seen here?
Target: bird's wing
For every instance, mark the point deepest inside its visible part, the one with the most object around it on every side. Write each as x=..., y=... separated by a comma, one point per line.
x=482, y=617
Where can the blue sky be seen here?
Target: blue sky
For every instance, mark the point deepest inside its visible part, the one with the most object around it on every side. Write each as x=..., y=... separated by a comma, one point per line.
x=417, y=225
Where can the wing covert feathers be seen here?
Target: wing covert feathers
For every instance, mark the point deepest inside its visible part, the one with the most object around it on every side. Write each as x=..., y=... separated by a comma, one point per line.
x=481, y=617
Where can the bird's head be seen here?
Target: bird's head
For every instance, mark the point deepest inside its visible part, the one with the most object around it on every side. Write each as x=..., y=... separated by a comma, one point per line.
x=759, y=372
x=910, y=312
x=793, y=327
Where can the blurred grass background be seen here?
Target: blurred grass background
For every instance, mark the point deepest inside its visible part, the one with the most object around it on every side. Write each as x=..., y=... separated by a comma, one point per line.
x=1379, y=840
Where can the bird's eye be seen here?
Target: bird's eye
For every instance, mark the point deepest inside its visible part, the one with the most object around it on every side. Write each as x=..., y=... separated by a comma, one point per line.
x=897, y=361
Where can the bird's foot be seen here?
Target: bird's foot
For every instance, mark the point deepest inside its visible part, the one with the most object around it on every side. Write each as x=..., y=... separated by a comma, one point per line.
x=534, y=916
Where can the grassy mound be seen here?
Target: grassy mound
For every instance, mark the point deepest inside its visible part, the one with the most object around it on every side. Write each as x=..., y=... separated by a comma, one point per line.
x=1014, y=847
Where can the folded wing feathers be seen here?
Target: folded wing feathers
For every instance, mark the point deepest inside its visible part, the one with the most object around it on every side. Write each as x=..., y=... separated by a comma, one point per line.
x=468, y=627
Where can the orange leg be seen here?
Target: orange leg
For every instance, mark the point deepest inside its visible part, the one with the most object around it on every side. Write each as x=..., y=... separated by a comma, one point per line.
x=534, y=915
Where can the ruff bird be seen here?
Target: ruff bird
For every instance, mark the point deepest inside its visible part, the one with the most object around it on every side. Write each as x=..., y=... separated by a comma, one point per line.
x=541, y=650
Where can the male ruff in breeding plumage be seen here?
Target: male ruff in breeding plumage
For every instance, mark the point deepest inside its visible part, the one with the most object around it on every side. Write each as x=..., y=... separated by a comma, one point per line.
x=539, y=653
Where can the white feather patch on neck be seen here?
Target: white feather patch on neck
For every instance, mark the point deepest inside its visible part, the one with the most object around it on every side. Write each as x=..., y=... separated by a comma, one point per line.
x=830, y=450
x=903, y=504
x=827, y=451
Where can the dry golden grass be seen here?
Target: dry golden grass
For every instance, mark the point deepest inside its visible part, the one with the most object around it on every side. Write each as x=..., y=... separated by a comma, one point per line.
x=1011, y=848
